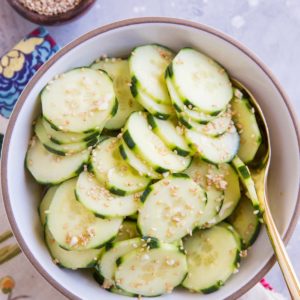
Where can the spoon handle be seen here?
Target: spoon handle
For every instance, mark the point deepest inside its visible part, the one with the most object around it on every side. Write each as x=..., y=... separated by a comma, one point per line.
x=282, y=256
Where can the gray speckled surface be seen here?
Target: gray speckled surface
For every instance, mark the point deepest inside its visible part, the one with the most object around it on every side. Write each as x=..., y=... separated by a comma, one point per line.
x=270, y=28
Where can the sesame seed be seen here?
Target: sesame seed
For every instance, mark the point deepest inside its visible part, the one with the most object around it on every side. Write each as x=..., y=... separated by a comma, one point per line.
x=73, y=241
x=243, y=253
x=238, y=94
x=145, y=257
x=230, y=228
x=170, y=262
x=106, y=284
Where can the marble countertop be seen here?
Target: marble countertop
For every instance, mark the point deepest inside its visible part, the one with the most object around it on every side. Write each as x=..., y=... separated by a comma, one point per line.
x=270, y=28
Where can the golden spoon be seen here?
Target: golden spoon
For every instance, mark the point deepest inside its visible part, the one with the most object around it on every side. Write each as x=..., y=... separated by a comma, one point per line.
x=257, y=190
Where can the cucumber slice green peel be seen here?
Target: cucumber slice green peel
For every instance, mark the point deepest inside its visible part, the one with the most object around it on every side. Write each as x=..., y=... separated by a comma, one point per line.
x=246, y=178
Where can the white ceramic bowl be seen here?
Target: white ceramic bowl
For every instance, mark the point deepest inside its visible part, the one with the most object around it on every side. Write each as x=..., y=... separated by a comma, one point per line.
x=22, y=195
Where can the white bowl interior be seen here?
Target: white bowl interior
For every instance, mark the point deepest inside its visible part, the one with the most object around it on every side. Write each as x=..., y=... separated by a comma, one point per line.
x=284, y=174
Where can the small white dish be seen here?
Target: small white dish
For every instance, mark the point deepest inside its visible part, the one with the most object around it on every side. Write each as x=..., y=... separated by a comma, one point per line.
x=21, y=195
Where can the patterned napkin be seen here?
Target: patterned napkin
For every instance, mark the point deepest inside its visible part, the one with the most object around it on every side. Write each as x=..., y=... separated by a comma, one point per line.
x=18, y=279
x=17, y=67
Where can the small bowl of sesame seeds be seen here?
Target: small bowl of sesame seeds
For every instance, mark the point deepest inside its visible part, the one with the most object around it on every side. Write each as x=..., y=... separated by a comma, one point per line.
x=50, y=12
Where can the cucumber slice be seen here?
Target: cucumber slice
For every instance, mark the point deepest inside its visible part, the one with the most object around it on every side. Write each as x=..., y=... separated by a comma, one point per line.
x=245, y=222
x=149, y=146
x=73, y=226
x=61, y=257
x=107, y=265
x=100, y=201
x=212, y=256
x=79, y=100
x=64, y=149
x=71, y=259
x=245, y=176
x=215, y=149
x=169, y=134
x=147, y=66
x=214, y=128
x=200, y=81
x=156, y=271
x=112, y=171
x=161, y=111
x=60, y=137
x=232, y=193
x=171, y=208
x=245, y=121
x=128, y=230
x=118, y=70
x=48, y=168
x=183, y=110
x=45, y=203
x=200, y=171
x=137, y=162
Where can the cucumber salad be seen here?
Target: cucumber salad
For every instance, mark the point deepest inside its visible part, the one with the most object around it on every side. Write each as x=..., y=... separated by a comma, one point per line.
x=144, y=163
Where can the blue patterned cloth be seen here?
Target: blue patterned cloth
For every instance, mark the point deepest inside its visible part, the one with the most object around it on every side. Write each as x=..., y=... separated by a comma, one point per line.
x=18, y=66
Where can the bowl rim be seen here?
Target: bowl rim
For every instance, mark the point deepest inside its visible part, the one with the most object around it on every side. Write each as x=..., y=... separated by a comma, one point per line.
x=84, y=38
